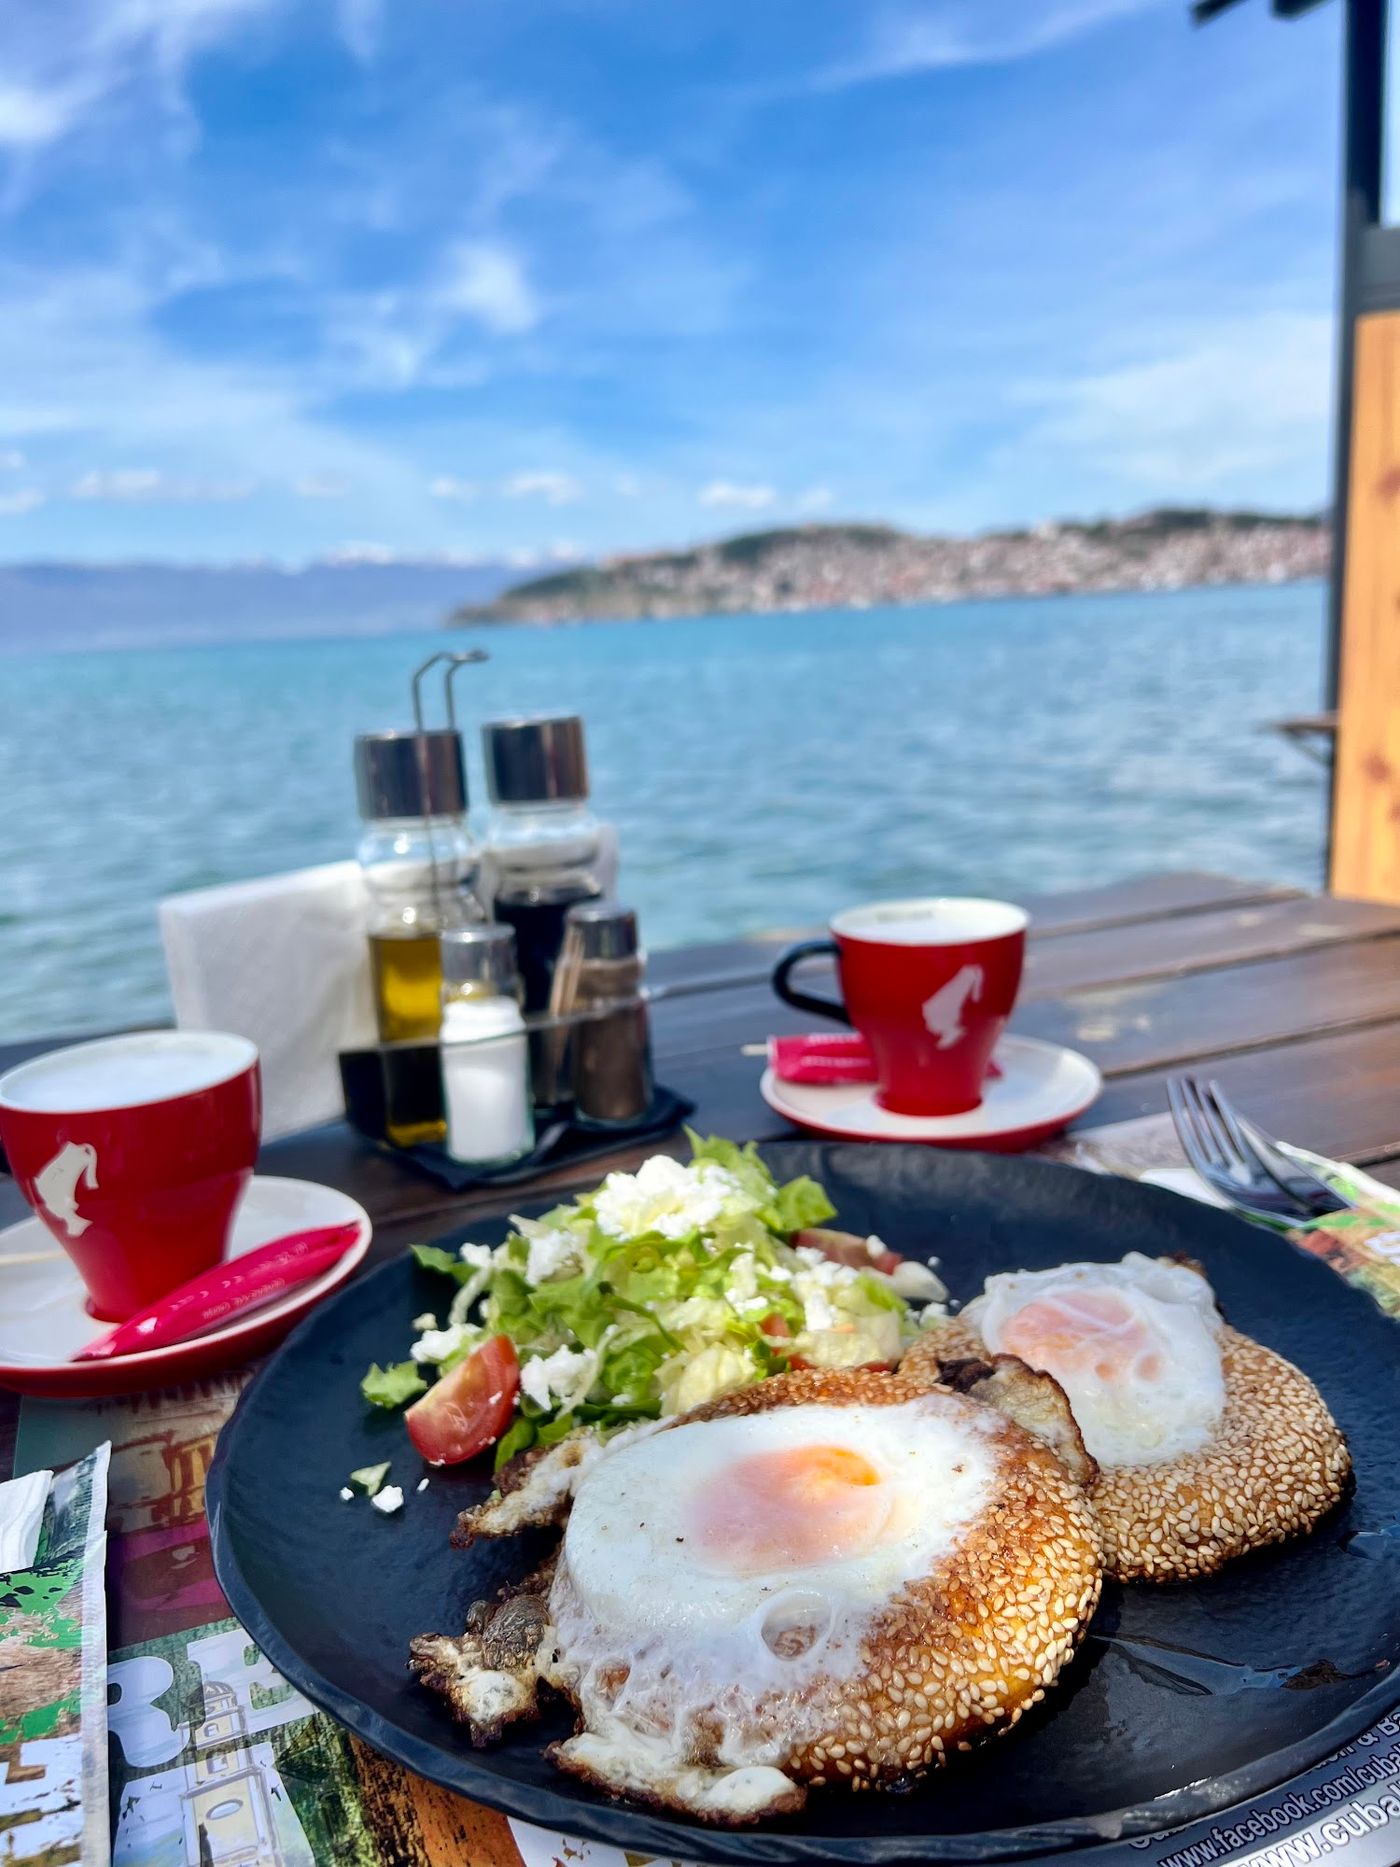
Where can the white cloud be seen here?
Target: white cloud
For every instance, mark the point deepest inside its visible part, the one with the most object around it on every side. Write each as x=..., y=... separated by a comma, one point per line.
x=725, y=493
x=55, y=81
x=815, y=499
x=627, y=486
x=84, y=359
x=26, y=499
x=487, y=282
x=1233, y=399
x=970, y=32
x=556, y=489
x=361, y=27
x=319, y=486
x=142, y=485
x=445, y=486
x=372, y=553
x=11, y=459
x=31, y=116
x=361, y=552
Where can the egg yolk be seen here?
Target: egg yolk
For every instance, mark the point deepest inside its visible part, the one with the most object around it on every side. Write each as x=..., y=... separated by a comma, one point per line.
x=1084, y=1332
x=792, y=1508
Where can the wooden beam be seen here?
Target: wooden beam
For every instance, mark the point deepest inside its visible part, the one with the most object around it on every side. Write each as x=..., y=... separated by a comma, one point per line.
x=1366, y=792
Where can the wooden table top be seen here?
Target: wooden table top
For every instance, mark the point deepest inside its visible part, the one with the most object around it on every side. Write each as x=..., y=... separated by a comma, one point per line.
x=1292, y=1000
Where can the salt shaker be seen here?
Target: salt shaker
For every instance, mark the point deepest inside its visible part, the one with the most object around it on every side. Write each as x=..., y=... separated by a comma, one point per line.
x=484, y=1047
x=598, y=986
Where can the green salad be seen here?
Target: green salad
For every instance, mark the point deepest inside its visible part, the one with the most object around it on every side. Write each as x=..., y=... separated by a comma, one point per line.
x=657, y=1291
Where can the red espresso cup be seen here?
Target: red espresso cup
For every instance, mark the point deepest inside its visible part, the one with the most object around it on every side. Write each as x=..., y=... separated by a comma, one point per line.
x=134, y=1151
x=929, y=984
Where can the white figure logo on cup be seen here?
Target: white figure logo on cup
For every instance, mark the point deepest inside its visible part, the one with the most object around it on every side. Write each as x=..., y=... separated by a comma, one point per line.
x=57, y=1185
x=943, y=1012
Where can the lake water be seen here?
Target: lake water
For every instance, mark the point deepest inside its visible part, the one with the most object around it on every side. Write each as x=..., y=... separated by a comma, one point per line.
x=762, y=770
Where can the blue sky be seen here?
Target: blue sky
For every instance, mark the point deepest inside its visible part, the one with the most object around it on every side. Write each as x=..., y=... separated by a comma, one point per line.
x=289, y=278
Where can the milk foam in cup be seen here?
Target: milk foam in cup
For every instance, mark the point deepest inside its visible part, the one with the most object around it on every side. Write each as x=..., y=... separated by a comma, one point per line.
x=134, y=1151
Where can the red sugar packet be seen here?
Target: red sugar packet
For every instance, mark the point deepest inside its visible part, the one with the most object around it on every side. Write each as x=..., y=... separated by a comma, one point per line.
x=827, y=1057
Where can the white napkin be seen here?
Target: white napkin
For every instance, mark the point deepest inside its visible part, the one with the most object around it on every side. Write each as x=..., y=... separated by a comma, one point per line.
x=284, y=961
x=22, y=1502
x=1187, y=1181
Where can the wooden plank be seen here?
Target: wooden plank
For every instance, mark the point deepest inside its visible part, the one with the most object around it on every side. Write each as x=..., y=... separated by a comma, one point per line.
x=1140, y=899
x=1366, y=787
x=1133, y=1001
x=1338, y=1094
x=417, y=1824
x=1228, y=937
x=1146, y=898
x=1154, y=1023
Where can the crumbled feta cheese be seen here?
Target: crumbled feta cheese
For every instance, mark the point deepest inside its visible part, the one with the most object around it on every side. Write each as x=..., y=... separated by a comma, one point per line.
x=754, y=1306
x=478, y=1256
x=916, y=1283
x=664, y=1197
x=550, y=1252
x=743, y=1276
x=565, y=1376
x=826, y=1271
x=346, y=1494
x=817, y=1311
x=426, y=1321
x=421, y=1485
x=388, y=1498
x=437, y=1344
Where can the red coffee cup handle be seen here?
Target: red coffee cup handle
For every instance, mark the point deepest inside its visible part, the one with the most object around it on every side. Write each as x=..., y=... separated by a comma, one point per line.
x=808, y=1001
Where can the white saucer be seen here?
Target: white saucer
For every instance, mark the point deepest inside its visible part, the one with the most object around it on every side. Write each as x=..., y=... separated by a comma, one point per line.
x=44, y=1321
x=1041, y=1089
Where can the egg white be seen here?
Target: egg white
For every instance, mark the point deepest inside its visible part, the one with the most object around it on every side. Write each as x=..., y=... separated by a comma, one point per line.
x=636, y=1588
x=1127, y=1417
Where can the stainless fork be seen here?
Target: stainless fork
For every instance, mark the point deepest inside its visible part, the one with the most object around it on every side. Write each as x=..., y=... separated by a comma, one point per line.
x=1240, y=1161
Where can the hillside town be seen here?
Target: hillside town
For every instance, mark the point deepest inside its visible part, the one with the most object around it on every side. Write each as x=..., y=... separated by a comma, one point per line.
x=861, y=566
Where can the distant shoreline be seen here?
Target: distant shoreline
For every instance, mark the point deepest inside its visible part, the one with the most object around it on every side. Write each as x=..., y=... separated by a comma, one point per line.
x=962, y=600
x=859, y=567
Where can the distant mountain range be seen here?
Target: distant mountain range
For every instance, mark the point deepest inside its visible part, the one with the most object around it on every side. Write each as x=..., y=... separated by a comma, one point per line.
x=63, y=606
x=71, y=606
x=859, y=566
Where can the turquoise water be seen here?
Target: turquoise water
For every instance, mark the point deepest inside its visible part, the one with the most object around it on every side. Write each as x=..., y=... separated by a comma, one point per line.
x=762, y=770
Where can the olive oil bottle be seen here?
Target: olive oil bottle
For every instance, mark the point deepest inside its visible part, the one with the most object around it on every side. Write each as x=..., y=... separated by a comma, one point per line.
x=420, y=867
x=407, y=970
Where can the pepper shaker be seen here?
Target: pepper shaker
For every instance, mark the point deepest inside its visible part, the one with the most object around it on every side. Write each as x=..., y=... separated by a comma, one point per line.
x=598, y=985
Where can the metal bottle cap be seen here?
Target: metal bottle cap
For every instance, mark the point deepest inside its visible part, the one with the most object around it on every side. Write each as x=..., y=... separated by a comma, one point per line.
x=604, y=930
x=402, y=774
x=536, y=761
x=480, y=955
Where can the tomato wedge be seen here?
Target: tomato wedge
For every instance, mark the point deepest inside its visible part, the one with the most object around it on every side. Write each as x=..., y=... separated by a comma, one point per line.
x=847, y=1248
x=470, y=1407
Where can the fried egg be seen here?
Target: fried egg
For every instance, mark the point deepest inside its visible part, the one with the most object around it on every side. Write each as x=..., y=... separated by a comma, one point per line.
x=1135, y=1346
x=824, y=1578
x=1206, y=1443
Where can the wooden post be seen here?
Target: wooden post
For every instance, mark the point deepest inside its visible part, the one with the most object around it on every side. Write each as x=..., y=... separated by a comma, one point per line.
x=1366, y=784
x=1364, y=675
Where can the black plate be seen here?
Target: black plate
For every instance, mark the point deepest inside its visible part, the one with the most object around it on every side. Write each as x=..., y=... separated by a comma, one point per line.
x=1184, y=1700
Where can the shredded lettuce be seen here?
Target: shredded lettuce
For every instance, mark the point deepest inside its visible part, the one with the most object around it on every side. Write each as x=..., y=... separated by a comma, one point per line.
x=655, y=1292
x=393, y=1386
